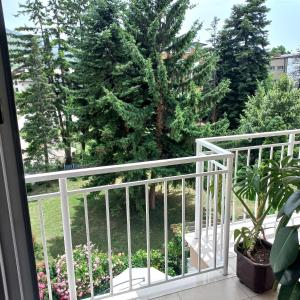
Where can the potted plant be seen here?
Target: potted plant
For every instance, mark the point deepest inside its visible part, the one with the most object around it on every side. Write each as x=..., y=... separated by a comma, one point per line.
x=267, y=185
x=285, y=253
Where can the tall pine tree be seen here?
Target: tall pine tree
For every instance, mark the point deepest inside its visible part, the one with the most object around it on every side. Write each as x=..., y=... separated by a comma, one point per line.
x=37, y=104
x=143, y=97
x=180, y=71
x=47, y=20
x=244, y=59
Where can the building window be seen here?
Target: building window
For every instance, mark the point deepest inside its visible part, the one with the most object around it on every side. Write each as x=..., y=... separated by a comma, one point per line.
x=281, y=68
x=272, y=68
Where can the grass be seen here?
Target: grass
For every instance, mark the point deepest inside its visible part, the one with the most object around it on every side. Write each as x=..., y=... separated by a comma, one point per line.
x=97, y=220
x=118, y=224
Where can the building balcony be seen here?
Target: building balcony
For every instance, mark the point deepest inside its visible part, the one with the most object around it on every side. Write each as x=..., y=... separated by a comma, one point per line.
x=203, y=220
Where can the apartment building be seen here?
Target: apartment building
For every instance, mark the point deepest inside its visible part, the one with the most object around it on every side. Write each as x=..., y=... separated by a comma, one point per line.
x=286, y=64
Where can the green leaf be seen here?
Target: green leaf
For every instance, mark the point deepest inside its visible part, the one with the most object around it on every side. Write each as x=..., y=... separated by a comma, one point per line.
x=291, y=274
x=295, y=180
x=237, y=233
x=285, y=249
x=292, y=204
x=289, y=292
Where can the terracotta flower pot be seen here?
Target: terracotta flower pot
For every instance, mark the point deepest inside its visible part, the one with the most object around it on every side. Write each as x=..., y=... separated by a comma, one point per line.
x=257, y=277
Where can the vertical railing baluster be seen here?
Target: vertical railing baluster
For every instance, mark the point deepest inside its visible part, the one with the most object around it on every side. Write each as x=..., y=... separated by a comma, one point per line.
x=183, y=228
x=222, y=212
x=67, y=237
x=148, y=233
x=236, y=163
x=248, y=157
x=88, y=241
x=291, y=145
x=199, y=166
x=259, y=156
x=248, y=164
x=166, y=227
x=200, y=225
x=227, y=213
x=215, y=223
x=210, y=197
x=44, y=243
x=129, y=237
x=271, y=157
x=271, y=152
x=207, y=217
x=256, y=198
x=281, y=154
x=109, y=249
x=199, y=237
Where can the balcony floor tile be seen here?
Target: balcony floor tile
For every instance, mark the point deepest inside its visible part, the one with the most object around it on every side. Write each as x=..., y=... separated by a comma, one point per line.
x=227, y=289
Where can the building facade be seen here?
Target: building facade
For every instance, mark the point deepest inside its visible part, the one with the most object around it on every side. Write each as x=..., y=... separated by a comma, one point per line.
x=286, y=64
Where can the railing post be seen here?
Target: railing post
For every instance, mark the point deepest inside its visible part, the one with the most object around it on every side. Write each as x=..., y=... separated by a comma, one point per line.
x=228, y=195
x=291, y=144
x=199, y=168
x=67, y=237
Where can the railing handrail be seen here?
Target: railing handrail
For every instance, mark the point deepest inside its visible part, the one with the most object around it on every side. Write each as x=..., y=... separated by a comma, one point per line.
x=42, y=177
x=246, y=136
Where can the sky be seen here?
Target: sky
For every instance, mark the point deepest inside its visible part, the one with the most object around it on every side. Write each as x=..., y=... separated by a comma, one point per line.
x=284, y=14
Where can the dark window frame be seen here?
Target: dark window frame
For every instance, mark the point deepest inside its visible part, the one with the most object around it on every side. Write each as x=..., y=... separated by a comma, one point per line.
x=17, y=264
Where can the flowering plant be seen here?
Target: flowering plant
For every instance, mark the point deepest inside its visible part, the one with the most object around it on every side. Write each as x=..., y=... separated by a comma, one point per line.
x=99, y=267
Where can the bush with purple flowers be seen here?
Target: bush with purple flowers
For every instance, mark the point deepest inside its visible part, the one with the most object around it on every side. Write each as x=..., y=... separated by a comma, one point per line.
x=88, y=259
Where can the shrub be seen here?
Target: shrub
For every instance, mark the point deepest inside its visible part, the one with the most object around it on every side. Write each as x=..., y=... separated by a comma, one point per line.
x=42, y=284
x=100, y=271
x=38, y=250
x=139, y=259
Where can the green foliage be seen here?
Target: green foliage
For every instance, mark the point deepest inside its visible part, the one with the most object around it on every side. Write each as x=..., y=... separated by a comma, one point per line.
x=100, y=271
x=279, y=50
x=100, y=268
x=38, y=250
x=285, y=253
x=275, y=106
x=244, y=59
x=285, y=249
x=269, y=185
x=36, y=103
x=50, y=21
x=141, y=97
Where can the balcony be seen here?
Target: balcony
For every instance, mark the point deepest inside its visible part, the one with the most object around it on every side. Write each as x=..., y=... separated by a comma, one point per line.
x=206, y=262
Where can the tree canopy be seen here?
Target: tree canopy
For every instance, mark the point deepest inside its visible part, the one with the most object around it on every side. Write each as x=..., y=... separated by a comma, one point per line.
x=244, y=58
x=275, y=106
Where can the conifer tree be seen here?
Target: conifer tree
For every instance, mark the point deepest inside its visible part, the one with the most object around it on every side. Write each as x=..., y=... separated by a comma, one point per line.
x=212, y=42
x=181, y=95
x=47, y=19
x=143, y=95
x=244, y=59
x=37, y=104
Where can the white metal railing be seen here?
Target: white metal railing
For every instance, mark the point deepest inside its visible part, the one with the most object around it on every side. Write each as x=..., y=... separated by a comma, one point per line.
x=216, y=167
x=220, y=172
x=253, y=153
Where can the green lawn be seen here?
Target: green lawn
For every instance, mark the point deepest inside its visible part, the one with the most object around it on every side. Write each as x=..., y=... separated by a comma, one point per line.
x=97, y=220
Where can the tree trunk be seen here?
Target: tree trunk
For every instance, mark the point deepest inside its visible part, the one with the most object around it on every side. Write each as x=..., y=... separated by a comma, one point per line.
x=152, y=197
x=160, y=110
x=46, y=156
x=83, y=146
x=214, y=114
x=68, y=154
